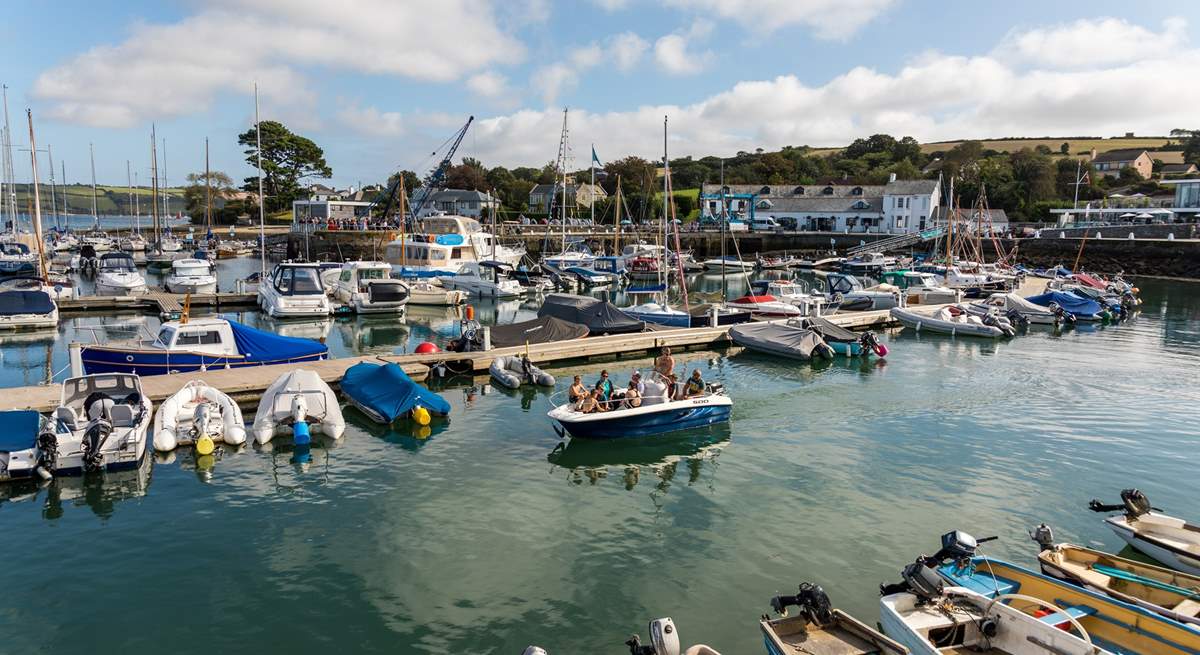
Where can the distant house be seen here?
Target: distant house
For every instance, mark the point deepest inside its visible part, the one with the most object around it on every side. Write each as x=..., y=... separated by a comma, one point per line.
x=1175, y=170
x=459, y=202
x=543, y=196
x=321, y=193
x=1111, y=163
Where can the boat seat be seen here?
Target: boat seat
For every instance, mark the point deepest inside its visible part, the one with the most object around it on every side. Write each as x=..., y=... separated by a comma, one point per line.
x=1187, y=607
x=121, y=416
x=68, y=418
x=1074, y=611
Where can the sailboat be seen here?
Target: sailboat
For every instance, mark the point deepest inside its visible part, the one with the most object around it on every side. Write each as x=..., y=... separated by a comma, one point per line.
x=574, y=254
x=159, y=256
x=97, y=238
x=31, y=308
x=135, y=242
x=657, y=310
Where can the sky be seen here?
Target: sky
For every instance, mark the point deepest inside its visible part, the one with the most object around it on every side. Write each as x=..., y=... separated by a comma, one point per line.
x=380, y=84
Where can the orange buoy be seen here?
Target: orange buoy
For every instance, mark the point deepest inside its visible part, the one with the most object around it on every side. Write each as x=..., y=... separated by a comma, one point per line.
x=470, y=312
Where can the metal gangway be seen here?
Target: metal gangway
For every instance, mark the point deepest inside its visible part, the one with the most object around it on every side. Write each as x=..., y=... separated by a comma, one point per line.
x=897, y=242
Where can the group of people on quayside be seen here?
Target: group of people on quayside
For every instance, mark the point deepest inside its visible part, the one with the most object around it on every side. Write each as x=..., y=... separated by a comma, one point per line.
x=604, y=396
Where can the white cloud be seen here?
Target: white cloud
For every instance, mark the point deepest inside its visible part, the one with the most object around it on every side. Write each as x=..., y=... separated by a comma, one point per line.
x=488, y=84
x=1093, y=43
x=232, y=42
x=627, y=49
x=829, y=19
x=371, y=121
x=611, y=5
x=672, y=51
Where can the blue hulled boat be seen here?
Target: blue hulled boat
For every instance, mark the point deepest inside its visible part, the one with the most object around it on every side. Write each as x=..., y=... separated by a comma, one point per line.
x=656, y=415
x=201, y=344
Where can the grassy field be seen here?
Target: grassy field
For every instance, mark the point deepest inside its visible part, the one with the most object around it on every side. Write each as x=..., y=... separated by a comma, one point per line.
x=1077, y=146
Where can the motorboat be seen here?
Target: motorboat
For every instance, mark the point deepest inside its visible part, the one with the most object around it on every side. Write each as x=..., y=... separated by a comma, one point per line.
x=784, y=339
x=469, y=280
x=871, y=263
x=17, y=259
x=1018, y=309
x=63, y=241
x=728, y=263
x=230, y=248
x=200, y=344
x=659, y=313
x=764, y=305
x=703, y=315
x=796, y=293
x=445, y=242
x=118, y=276
x=514, y=370
x=170, y=243
x=368, y=288
x=294, y=290
x=199, y=415
x=298, y=402
x=133, y=243
x=1172, y=594
x=590, y=277
x=433, y=293
x=57, y=286
x=1082, y=309
x=1112, y=625
x=775, y=263
x=920, y=288
x=954, y=321
x=20, y=456
x=21, y=309
x=645, y=268
x=158, y=259
x=843, y=341
x=385, y=393
x=100, y=424
x=658, y=414
x=99, y=241
x=1170, y=540
x=191, y=276
x=816, y=627
x=598, y=316
x=852, y=293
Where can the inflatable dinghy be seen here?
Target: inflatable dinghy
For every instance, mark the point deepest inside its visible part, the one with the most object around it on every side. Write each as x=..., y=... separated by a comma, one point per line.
x=300, y=396
x=514, y=370
x=196, y=412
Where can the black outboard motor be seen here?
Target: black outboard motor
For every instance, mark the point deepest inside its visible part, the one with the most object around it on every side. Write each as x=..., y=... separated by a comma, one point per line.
x=1133, y=503
x=93, y=440
x=918, y=579
x=1016, y=318
x=957, y=547
x=812, y=602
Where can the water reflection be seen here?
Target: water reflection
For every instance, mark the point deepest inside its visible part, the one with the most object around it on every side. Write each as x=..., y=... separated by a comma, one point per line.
x=591, y=461
x=100, y=492
x=294, y=468
x=405, y=433
x=204, y=466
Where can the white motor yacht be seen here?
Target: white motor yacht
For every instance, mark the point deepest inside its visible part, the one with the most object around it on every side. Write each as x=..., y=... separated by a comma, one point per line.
x=469, y=279
x=133, y=243
x=118, y=276
x=191, y=276
x=368, y=288
x=445, y=242
x=99, y=241
x=294, y=290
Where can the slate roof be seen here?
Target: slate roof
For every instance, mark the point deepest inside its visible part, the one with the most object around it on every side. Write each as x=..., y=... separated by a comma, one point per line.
x=1125, y=154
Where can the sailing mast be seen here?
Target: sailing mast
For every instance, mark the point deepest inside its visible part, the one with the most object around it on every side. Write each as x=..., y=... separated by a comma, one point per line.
x=66, y=209
x=617, y=218
x=37, y=201
x=207, y=193
x=724, y=221
x=53, y=193
x=671, y=200
x=10, y=174
x=664, y=278
x=166, y=213
x=129, y=185
x=137, y=208
x=154, y=187
x=262, y=215
x=95, y=214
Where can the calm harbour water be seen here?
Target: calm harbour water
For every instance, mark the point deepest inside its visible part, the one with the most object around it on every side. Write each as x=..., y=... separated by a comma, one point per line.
x=486, y=536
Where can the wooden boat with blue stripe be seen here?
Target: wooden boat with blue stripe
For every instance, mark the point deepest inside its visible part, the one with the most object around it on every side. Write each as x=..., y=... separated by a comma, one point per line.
x=655, y=416
x=200, y=344
x=1112, y=625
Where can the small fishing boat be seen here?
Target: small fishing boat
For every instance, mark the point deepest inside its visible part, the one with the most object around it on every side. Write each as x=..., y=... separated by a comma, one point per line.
x=296, y=403
x=920, y=288
x=1082, y=309
x=118, y=276
x=818, y=628
x=775, y=263
x=385, y=393
x=191, y=276
x=871, y=263
x=434, y=294
x=198, y=415
x=785, y=339
x=854, y=295
x=1172, y=594
x=294, y=290
x=954, y=321
x=200, y=344
x=728, y=263
x=367, y=288
x=20, y=455
x=100, y=424
x=764, y=305
x=658, y=414
x=1169, y=540
x=514, y=370
x=26, y=310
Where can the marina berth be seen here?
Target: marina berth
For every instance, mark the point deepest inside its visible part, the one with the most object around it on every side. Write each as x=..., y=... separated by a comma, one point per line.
x=385, y=393
x=198, y=415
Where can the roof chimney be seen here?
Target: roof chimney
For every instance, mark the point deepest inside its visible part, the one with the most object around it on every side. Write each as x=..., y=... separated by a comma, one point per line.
x=891, y=178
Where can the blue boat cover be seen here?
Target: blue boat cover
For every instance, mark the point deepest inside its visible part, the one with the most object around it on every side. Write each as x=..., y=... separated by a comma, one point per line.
x=1070, y=303
x=25, y=302
x=259, y=344
x=19, y=429
x=387, y=390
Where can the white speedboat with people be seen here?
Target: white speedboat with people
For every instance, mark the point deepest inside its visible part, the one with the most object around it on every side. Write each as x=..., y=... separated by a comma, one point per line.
x=191, y=276
x=469, y=279
x=118, y=276
x=295, y=399
x=199, y=415
x=657, y=411
x=368, y=288
x=294, y=290
x=100, y=424
x=1170, y=540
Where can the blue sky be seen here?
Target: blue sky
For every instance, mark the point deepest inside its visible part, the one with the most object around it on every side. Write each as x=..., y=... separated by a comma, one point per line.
x=379, y=83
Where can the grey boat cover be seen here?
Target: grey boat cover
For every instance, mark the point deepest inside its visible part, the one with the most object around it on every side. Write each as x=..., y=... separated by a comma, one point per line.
x=598, y=316
x=539, y=330
x=829, y=331
x=777, y=339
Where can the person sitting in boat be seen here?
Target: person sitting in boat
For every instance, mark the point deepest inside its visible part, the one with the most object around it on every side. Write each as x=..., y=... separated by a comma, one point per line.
x=632, y=397
x=694, y=385
x=605, y=384
x=636, y=381
x=591, y=403
x=577, y=390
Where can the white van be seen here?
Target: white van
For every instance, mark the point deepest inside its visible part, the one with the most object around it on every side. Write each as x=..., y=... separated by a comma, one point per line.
x=765, y=223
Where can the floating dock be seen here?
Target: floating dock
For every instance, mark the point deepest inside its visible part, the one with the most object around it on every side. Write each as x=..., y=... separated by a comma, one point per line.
x=159, y=302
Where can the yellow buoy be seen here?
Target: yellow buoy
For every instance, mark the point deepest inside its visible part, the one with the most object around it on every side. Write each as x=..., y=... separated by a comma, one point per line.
x=204, y=445
x=422, y=432
x=205, y=462
x=420, y=415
